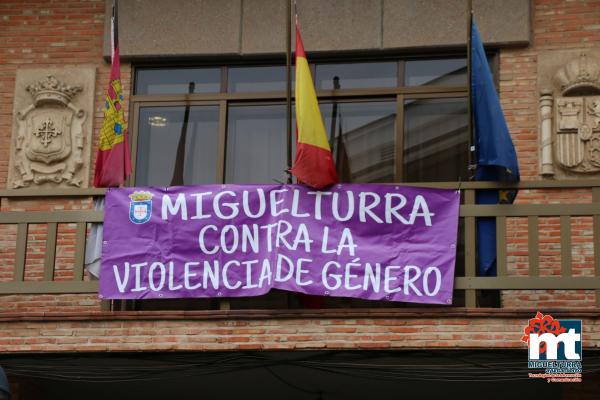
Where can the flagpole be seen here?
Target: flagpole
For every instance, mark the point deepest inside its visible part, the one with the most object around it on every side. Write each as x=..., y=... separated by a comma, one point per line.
x=334, y=111
x=114, y=32
x=177, y=178
x=288, y=60
x=470, y=156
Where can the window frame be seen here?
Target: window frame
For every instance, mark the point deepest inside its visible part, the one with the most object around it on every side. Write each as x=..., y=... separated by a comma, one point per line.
x=224, y=99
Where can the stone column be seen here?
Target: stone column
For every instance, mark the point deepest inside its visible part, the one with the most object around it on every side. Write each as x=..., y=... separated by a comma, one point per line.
x=546, y=101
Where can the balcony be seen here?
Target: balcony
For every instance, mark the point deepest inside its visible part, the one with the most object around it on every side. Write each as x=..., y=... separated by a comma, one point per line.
x=547, y=243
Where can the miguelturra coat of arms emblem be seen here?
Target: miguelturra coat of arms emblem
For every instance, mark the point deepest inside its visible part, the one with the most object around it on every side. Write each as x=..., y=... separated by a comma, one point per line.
x=140, y=207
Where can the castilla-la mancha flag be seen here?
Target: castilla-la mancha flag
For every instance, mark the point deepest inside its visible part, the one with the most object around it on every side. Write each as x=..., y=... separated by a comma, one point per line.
x=113, y=162
x=314, y=162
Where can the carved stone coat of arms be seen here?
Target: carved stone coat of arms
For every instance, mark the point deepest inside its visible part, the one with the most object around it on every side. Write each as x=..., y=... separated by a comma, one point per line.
x=570, y=122
x=51, y=135
x=577, y=144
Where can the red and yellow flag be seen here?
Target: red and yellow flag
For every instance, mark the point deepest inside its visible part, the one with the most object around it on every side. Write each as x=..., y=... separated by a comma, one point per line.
x=113, y=162
x=314, y=163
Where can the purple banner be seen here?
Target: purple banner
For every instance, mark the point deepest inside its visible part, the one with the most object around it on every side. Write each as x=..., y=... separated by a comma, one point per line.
x=378, y=242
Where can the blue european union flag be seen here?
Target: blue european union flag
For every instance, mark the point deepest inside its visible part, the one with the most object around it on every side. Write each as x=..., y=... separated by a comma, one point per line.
x=496, y=156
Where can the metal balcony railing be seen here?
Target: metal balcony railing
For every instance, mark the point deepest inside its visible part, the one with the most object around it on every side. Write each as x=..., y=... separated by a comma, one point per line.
x=585, y=205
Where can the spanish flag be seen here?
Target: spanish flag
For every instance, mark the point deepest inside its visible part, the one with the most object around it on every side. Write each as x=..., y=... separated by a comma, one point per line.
x=314, y=162
x=113, y=162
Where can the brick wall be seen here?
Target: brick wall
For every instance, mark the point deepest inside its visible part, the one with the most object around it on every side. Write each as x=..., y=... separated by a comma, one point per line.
x=181, y=331
x=50, y=34
x=557, y=25
x=37, y=34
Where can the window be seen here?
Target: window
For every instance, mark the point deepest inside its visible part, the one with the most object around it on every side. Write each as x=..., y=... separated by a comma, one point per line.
x=256, y=79
x=436, y=139
x=357, y=75
x=362, y=139
x=177, y=80
x=177, y=145
x=451, y=71
x=256, y=137
x=387, y=121
x=397, y=120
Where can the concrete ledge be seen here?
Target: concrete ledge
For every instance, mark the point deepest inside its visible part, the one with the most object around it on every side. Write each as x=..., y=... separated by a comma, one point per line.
x=435, y=312
x=207, y=28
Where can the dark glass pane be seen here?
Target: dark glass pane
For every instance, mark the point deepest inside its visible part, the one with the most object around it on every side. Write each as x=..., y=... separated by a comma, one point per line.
x=177, y=80
x=256, y=144
x=436, y=140
x=160, y=133
x=257, y=79
x=364, y=152
x=443, y=72
x=357, y=75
